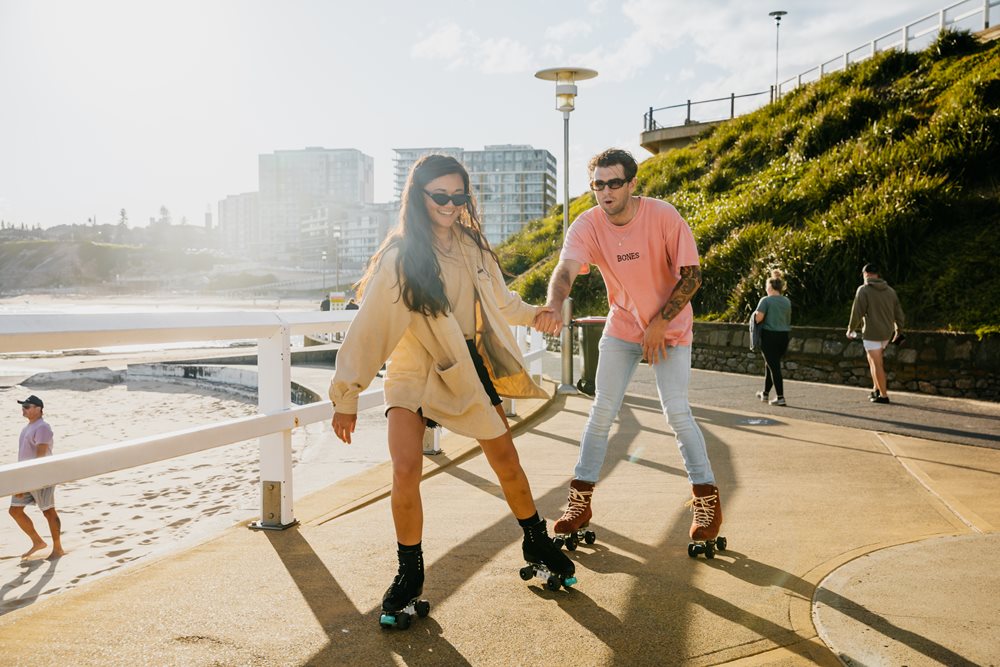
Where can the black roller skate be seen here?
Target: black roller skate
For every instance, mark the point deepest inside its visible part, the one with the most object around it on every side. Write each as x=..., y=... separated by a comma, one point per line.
x=402, y=599
x=545, y=560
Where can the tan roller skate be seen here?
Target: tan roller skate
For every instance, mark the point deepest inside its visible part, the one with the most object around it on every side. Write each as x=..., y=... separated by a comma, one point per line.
x=571, y=527
x=707, y=509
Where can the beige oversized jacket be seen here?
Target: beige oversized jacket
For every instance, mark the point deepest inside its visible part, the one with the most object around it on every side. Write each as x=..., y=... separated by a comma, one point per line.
x=429, y=364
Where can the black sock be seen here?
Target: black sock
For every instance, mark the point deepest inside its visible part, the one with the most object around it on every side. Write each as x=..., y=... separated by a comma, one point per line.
x=530, y=521
x=414, y=548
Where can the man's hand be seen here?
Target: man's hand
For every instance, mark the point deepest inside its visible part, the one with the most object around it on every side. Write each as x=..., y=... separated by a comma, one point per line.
x=548, y=320
x=654, y=348
x=343, y=425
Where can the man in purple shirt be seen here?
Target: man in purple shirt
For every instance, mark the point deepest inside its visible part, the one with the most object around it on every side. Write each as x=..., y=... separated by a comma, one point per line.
x=36, y=441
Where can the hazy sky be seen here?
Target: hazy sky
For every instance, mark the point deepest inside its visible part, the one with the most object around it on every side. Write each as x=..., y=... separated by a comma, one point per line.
x=132, y=104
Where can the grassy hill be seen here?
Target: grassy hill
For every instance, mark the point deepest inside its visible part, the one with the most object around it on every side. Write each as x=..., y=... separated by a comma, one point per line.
x=895, y=161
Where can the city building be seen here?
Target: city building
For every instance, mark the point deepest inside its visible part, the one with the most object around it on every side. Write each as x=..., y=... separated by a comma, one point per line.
x=339, y=239
x=294, y=183
x=239, y=225
x=513, y=183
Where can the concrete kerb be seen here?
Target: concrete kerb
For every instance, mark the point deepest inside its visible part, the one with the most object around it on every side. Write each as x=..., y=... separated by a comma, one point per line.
x=374, y=484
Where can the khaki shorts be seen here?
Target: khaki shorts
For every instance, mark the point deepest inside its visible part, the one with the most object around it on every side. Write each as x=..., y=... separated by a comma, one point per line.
x=44, y=498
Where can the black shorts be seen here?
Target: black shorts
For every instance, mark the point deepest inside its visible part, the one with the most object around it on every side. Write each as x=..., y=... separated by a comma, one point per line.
x=484, y=377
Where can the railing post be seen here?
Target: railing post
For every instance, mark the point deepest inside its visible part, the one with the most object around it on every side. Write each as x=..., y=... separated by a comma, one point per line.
x=567, y=386
x=689, y=112
x=653, y=127
x=906, y=37
x=274, y=395
x=732, y=106
x=986, y=14
x=432, y=441
x=941, y=23
x=537, y=343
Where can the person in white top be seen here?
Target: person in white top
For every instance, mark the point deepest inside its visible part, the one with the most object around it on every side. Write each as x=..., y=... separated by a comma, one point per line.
x=35, y=442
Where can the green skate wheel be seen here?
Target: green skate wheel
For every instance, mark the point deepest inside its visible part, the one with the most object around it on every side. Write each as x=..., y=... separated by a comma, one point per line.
x=387, y=621
x=569, y=581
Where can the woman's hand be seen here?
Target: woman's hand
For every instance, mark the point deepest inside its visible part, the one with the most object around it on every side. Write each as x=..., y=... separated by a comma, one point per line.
x=343, y=425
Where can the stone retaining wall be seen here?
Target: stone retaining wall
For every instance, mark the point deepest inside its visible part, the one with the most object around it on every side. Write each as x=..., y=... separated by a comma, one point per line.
x=946, y=364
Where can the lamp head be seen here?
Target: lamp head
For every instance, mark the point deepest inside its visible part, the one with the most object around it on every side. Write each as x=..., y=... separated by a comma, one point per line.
x=566, y=78
x=777, y=15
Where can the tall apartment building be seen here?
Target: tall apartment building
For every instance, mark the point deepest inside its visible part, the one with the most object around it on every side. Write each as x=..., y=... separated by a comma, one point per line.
x=239, y=224
x=294, y=183
x=349, y=234
x=513, y=183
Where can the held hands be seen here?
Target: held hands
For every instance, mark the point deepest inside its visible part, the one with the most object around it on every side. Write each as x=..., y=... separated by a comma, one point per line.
x=548, y=320
x=343, y=425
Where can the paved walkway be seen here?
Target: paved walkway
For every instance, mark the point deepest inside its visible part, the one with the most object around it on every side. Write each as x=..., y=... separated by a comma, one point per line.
x=868, y=545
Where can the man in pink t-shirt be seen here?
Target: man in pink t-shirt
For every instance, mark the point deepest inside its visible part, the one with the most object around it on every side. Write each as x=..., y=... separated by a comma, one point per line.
x=649, y=261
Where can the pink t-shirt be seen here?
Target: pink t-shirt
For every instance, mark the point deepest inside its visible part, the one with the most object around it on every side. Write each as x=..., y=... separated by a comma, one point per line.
x=640, y=262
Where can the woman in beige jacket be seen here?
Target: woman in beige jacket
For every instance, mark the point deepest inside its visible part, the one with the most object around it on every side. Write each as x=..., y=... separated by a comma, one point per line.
x=436, y=307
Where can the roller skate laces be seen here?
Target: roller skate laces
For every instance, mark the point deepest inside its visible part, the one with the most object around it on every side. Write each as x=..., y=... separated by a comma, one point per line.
x=707, y=520
x=569, y=529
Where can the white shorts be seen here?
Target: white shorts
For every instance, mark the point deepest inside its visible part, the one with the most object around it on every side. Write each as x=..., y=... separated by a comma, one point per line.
x=44, y=498
x=875, y=344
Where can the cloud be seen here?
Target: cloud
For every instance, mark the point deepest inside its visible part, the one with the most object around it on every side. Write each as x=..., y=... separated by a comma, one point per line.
x=504, y=56
x=465, y=48
x=567, y=30
x=447, y=42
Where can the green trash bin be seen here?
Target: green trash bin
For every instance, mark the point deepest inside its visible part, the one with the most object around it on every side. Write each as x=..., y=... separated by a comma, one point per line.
x=591, y=329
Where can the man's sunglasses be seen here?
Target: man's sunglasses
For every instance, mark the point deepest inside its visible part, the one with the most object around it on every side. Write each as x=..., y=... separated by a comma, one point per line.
x=441, y=199
x=614, y=184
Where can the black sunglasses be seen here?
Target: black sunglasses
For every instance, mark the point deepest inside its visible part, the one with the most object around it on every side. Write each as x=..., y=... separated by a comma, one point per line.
x=441, y=199
x=614, y=184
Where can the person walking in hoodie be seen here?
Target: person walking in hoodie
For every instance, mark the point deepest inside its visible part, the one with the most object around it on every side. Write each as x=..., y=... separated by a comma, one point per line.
x=435, y=305
x=877, y=313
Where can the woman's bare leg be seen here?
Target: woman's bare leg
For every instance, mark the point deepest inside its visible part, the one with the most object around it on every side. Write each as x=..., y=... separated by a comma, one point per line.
x=406, y=434
x=502, y=457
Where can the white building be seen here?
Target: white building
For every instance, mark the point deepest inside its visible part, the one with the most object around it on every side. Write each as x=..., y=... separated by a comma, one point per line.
x=513, y=184
x=239, y=224
x=294, y=183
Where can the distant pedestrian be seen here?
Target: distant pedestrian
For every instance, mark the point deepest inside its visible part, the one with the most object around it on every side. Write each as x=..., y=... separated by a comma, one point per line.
x=877, y=313
x=351, y=304
x=36, y=442
x=324, y=305
x=774, y=317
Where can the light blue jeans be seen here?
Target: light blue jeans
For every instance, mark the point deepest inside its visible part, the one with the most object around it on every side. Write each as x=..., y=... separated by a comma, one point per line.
x=615, y=367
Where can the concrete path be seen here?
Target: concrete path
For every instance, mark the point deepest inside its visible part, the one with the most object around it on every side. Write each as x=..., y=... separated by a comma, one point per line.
x=866, y=545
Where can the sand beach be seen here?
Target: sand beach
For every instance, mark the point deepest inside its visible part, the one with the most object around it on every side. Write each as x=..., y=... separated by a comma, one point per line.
x=126, y=518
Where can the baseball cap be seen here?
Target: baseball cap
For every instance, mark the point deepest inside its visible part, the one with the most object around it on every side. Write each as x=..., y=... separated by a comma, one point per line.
x=33, y=400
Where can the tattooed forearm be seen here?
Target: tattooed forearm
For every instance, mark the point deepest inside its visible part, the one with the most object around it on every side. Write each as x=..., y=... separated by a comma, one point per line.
x=683, y=291
x=560, y=284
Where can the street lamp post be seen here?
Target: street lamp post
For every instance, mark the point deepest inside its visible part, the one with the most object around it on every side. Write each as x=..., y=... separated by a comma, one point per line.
x=777, y=29
x=566, y=78
x=322, y=256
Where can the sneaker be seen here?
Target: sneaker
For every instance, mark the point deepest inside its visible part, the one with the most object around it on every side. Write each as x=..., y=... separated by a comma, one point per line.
x=761, y=396
x=778, y=401
x=880, y=399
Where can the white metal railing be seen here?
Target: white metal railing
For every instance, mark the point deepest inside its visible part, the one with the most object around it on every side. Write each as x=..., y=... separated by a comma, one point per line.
x=272, y=425
x=914, y=36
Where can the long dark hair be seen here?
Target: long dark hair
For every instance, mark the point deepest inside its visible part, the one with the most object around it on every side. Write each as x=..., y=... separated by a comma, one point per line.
x=417, y=269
